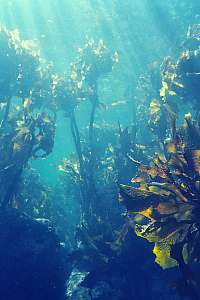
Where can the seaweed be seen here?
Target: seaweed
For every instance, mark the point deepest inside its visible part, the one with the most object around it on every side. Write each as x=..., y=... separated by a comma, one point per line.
x=27, y=115
x=81, y=85
x=180, y=79
x=163, y=201
x=162, y=198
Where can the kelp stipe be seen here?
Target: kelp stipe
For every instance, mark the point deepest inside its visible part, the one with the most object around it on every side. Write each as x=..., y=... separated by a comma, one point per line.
x=94, y=61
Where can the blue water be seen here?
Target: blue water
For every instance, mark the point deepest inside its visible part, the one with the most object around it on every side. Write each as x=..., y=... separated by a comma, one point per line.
x=142, y=33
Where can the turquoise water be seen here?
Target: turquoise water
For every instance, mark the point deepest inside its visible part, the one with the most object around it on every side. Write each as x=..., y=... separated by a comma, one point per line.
x=76, y=185
x=141, y=31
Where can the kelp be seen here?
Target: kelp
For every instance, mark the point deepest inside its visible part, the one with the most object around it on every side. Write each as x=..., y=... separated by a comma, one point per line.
x=163, y=201
x=27, y=127
x=74, y=89
x=180, y=79
x=167, y=197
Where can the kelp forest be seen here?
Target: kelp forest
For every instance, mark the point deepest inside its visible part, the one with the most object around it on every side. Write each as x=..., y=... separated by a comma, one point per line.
x=100, y=194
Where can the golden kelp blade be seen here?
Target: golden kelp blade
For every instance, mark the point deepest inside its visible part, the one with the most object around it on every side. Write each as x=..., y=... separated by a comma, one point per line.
x=154, y=106
x=138, y=179
x=162, y=253
x=163, y=89
x=158, y=190
x=171, y=148
x=148, y=213
x=162, y=248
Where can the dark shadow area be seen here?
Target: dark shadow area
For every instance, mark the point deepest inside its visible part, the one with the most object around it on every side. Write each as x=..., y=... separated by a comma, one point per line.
x=31, y=259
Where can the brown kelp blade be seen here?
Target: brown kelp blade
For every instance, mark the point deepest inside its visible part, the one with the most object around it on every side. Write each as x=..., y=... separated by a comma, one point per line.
x=137, y=200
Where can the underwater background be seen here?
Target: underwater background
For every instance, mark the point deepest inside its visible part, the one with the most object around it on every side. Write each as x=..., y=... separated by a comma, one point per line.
x=100, y=140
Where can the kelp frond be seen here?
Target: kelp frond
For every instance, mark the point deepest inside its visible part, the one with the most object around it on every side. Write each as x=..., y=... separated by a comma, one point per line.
x=167, y=197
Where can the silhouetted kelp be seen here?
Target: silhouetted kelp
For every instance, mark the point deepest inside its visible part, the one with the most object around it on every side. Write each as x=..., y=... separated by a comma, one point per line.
x=81, y=85
x=32, y=260
x=91, y=180
x=180, y=80
x=27, y=116
x=164, y=206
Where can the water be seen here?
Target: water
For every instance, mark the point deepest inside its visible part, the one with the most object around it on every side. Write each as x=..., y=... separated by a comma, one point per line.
x=99, y=110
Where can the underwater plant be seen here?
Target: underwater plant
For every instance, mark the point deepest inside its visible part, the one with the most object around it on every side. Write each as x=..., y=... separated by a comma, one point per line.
x=79, y=86
x=27, y=114
x=163, y=201
x=180, y=80
x=164, y=207
x=27, y=131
